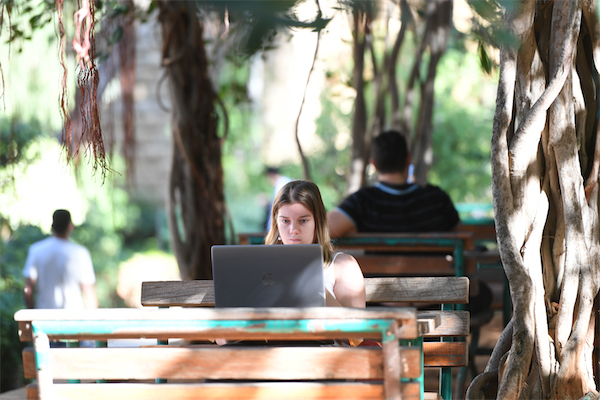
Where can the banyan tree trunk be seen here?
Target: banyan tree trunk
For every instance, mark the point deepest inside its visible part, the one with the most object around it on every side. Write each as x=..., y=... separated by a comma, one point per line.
x=544, y=176
x=195, y=196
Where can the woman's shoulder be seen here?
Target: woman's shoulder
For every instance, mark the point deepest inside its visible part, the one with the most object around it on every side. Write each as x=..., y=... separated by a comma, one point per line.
x=344, y=260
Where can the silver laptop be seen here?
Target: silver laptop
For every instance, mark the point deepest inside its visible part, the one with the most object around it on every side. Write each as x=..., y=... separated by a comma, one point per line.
x=268, y=275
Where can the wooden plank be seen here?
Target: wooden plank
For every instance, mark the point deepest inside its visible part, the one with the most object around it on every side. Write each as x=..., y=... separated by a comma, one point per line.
x=25, y=333
x=196, y=293
x=392, y=371
x=32, y=391
x=410, y=362
x=225, y=391
x=445, y=354
x=205, y=324
x=452, y=323
x=276, y=363
x=410, y=391
x=481, y=231
x=199, y=293
x=442, y=290
x=374, y=265
x=29, y=363
x=189, y=314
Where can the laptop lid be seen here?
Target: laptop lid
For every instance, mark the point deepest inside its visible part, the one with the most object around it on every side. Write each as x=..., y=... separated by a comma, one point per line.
x=268, y=276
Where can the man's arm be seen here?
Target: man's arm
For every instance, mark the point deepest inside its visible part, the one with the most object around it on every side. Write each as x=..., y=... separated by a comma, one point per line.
x=339, y=224
x=88, y=292
x=28, y=293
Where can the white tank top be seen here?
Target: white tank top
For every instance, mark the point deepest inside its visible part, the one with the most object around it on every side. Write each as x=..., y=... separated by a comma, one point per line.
x=329, y=276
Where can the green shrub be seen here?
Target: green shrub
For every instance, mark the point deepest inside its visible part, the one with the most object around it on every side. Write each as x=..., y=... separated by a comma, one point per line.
x=13, y=254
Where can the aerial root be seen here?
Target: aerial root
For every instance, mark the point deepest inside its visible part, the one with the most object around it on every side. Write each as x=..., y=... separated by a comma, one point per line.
x=484, y=386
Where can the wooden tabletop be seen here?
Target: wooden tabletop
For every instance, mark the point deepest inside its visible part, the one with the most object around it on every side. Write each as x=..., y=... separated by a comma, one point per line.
x=207, y=322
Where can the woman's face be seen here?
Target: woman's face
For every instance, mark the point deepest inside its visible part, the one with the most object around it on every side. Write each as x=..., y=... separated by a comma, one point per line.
x=296, y=224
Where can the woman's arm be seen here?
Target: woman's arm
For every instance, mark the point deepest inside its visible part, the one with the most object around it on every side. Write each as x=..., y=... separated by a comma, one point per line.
x=349, y=288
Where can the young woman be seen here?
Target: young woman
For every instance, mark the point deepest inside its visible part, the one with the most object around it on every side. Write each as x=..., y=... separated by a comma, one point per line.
x=298, y=216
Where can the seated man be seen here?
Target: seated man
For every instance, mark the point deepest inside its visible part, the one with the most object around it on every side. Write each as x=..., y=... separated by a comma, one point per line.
x=394, y=205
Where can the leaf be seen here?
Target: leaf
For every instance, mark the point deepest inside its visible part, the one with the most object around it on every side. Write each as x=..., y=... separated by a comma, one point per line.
x=484, y=59
x=117, y=35
x=486, y=9
x=119, y=9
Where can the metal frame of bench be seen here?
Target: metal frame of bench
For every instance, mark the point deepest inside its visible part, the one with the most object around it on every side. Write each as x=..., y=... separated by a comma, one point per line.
x=439, y=290
x=397, y=366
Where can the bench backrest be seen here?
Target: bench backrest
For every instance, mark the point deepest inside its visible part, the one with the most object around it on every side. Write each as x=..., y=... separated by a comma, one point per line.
x=200, y=293
x=402, y=254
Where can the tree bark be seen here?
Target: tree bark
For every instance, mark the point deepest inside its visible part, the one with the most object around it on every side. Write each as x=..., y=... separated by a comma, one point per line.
x=195, y=200
x=543, y=149
x=356, y=175
x=437, y=38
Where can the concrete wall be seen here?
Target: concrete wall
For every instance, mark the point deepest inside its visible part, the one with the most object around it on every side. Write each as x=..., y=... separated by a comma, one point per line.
x=153, y=132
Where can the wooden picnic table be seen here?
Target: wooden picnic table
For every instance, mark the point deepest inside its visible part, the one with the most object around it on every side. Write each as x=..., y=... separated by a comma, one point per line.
x=398, y=367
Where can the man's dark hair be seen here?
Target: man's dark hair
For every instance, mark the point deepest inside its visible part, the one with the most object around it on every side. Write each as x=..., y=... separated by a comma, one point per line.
x=60, y=221
x=272, y=170
x=389, y=152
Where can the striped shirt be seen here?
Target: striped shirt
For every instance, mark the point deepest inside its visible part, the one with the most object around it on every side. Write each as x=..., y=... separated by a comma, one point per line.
x=400, y=208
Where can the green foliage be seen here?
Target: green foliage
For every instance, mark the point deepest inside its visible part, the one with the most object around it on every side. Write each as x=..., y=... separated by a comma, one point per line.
x=494, y=31
x=13, y=253
x=462, y=129
x=243, y=171
x=259, y=20
x=15, y=138
x=330, y=162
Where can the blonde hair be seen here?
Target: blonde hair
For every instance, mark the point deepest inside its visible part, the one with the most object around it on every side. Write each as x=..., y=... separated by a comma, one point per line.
x=307, y=194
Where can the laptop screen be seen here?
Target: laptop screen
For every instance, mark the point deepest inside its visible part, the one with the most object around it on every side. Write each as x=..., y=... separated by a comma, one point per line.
x=268, y=276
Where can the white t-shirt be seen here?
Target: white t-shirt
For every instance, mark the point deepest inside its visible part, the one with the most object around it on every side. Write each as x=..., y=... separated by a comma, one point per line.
x=59, y=266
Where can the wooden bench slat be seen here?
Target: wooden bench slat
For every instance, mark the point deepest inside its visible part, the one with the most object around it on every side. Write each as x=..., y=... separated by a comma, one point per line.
x=226, y=313
x=196, y=293
x=442, y=290
x=200, y=293
x=375, y=265
x=436, y=354
x=452, y=323
x=203, y=323
x=229, y=391
x=434, y=246
x=445, y=354
x=214, y=362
